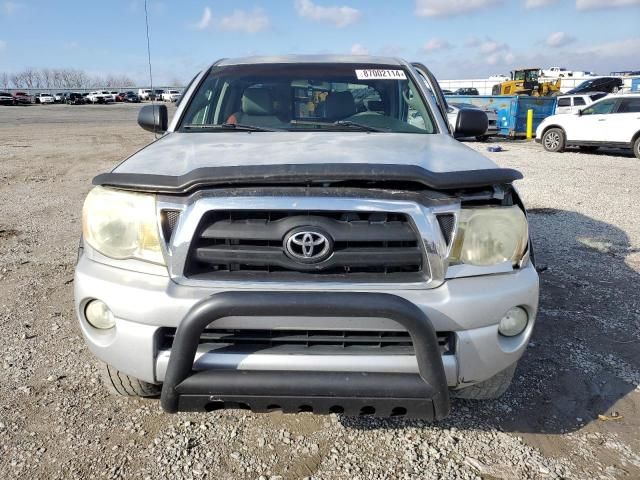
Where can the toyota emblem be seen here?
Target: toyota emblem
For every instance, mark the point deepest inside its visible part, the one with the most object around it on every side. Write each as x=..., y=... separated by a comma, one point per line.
x=308, y=245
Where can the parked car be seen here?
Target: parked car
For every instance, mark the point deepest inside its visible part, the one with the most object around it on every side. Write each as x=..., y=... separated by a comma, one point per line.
x=144, y=93
x=555, y=72
x=492, y=118
x=447, y=92
x=6, y=99
x=602, y=84
x=22, y=98
x=120, y=96
x=131, y=97
x=573, y=103
x=171, y=96
x=156, y=94
x=58, y=97
x=44, y=98
x=466, y=91
x=613, y=121
x=73, y=98
x=101, y=96
x=303, y=282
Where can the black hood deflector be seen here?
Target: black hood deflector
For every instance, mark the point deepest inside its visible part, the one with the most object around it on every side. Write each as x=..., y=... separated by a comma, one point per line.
x=296, y=174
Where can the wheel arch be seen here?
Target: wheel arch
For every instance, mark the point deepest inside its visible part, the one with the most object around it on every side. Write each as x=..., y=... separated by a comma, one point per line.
x=549, y=127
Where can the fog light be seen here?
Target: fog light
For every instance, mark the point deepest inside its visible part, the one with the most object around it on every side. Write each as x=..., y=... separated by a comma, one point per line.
x=514, y=322
x=98, y=315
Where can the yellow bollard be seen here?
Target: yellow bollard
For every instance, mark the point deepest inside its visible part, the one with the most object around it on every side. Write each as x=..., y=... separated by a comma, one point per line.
x=529, y=124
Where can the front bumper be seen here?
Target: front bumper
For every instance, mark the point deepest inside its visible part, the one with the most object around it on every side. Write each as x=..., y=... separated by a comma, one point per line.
x=143, y=303
x=423, y=395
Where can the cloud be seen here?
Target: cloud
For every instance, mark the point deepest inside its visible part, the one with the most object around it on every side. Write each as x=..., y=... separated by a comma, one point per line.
x=500, y=58
x=241, y=21
x=9, y=8
x=205, y=20
x=493, y=52
x=358, y=49
x=538, y=3
x=436, y=44
x=446, y=8
x=339, y=16
x=596, y=4
x=490, y=46
x=621, y=48
x=559, y=39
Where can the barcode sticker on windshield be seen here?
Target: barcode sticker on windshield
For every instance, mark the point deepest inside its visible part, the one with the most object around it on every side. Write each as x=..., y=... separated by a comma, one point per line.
x=374, y=74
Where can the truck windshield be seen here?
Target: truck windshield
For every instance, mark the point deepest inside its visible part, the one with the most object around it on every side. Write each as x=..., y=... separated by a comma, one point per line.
x=303, y=97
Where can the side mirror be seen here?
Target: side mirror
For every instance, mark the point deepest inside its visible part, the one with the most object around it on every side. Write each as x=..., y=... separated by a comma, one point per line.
x=471, y=122
x=579, y=113
x=154, y=118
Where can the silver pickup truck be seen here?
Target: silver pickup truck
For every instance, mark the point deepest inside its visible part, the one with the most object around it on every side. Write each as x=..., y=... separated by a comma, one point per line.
x=306, y=235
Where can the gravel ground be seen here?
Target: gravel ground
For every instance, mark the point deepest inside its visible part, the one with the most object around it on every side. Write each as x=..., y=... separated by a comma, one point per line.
x=572, y=411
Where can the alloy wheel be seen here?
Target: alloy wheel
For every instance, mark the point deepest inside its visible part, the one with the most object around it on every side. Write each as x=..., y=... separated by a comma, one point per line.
x=552, y=140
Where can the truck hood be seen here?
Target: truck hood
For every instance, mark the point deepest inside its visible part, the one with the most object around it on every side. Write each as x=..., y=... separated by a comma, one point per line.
x=182, y=162
x=177, y=154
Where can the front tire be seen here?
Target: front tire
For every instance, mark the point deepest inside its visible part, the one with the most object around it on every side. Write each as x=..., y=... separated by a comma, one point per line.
x=121, y=384
x=553, y=140
x=490, y=389
x=636, y=148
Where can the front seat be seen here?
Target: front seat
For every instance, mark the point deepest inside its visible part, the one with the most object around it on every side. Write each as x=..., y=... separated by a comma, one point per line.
x=256, y=109
x=339, y=105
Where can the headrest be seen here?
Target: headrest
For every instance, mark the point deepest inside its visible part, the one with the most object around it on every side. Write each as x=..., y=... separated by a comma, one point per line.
x=257, y=101
x=340, y=105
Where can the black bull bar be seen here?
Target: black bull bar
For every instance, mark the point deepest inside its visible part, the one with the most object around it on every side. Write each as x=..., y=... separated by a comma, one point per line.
x=423, y=395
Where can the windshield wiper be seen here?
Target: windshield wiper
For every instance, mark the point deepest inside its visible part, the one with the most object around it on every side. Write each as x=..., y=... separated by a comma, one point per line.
x=238, y=127
x=359, y=126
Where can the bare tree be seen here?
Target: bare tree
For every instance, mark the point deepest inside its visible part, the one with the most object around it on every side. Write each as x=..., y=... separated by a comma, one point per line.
x=96, y=82
x=46, y=78
x=17, y=80
x=62, y=78
x=57, y=78
x=80, y=79
x=30, y=78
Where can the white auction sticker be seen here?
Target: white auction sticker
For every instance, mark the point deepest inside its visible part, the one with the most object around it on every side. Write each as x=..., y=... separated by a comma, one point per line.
x=375, y=74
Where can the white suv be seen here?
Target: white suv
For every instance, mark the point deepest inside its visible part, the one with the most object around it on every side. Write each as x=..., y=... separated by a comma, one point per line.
x=144, y=93
x=44, y=98
x=573, y=103
x=170, y=95
x=613, y=121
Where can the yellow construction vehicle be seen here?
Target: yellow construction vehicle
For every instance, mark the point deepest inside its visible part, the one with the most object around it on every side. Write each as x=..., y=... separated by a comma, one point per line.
x=525, y=82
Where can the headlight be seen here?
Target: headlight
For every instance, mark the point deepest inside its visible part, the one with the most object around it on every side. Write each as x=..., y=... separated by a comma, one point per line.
x=122, y=224
x=490, y=235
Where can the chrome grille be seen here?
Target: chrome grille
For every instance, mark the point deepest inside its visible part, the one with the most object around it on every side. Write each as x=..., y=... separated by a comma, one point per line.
x=250, y=244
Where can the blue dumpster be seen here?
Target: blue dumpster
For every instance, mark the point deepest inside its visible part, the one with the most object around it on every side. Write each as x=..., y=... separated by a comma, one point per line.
x=511, y=110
